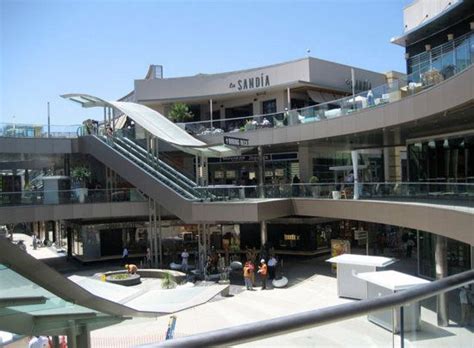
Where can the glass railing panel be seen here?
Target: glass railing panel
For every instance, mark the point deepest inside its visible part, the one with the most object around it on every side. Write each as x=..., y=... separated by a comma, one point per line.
x=445, y=64
x=38, y=131
x=79, y=195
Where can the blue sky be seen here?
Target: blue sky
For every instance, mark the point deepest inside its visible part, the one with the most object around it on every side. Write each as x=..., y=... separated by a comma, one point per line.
x=52, y=47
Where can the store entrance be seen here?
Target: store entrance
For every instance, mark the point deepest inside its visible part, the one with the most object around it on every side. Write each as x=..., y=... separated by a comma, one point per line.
x=239, y=111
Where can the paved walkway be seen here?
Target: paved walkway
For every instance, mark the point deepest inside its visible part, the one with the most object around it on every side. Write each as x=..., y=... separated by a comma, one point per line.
x=39, y=253
x=316, y=290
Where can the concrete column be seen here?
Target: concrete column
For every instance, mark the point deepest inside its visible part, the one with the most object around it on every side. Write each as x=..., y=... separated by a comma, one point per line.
x=305, y=163
x=441, y=262
x=83, y=337
x=386, y=164
x=160, y=230
x=288, y=98
x=210, y=112
x=261, y=172
x=71, y=335
x=263, y=233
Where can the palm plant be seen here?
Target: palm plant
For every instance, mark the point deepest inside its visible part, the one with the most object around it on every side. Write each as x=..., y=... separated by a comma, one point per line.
x=180, y=112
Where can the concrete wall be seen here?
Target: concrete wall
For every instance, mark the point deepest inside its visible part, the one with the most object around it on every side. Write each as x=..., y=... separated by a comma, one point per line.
x=38, y=145
x=326, y=74
x=421, y=11
x=9, y=215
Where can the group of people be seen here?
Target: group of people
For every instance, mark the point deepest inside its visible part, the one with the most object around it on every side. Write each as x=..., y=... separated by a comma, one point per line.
x=265, y=270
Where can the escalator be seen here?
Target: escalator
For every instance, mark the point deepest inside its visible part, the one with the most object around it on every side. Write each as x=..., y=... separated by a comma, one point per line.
x=157, y=179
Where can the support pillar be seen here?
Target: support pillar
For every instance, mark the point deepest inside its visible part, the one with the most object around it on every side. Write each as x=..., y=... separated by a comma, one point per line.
x=160, y=236
x=441, y=262
x=71, y=335
x=355, y=171
x=263, y=233
x=386, y=164
x=261, y=172
x=84, y=337
x=210, y=111
x=155, y=241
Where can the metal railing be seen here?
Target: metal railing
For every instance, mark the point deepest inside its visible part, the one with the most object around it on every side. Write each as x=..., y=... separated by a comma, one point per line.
x=455, y=193
x=318, y=317
x=20, y=130
x=73, y=196
x=461, y=194
x=377, y=96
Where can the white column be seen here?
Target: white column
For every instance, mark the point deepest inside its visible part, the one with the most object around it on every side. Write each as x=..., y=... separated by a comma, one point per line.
x=288, y=98
x=210, y=110
x=355, y=171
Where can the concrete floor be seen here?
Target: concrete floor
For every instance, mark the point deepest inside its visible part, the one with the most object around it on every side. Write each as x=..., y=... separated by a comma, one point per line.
x=311, y=286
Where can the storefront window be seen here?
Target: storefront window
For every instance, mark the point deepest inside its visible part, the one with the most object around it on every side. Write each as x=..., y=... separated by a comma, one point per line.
x=458, y=255
x=269, y=106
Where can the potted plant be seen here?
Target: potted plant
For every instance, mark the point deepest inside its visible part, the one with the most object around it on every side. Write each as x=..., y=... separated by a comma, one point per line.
x=315, y=189
x=180, y=113
x=81, y=175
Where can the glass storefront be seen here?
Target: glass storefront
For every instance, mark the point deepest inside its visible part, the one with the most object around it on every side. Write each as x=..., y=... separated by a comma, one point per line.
x=243, y=170
x=459, y=255
x=371, y=165
x=442, y=160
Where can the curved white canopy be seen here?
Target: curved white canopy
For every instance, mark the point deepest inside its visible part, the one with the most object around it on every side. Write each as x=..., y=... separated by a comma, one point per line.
x=158, y=125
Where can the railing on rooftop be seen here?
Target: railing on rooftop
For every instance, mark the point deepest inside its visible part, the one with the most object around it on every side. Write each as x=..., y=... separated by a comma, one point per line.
x=400, y=310
x=441, y=68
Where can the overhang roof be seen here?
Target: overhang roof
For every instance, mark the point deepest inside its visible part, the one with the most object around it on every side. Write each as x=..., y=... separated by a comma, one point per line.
x=29, y=309
x=158, y=125
x=452, y=15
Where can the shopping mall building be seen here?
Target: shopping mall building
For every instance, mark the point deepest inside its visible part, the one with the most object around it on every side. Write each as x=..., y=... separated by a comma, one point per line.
x=287, y=157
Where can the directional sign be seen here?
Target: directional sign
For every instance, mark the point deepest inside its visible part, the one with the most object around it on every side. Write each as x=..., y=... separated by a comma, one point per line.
x=236, y=141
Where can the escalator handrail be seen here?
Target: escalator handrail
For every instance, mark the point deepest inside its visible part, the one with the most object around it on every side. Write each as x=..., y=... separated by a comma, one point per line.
x=170, y=174
x=161, y=162
x=160, y=177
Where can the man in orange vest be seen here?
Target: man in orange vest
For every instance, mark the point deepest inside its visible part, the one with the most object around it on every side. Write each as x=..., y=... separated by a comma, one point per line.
x=263, y=270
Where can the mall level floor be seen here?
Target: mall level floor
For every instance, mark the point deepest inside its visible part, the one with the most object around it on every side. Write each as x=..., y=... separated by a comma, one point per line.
x=311, y=286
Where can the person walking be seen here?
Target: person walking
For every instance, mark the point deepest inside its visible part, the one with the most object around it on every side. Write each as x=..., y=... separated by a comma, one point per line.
x=148, y=258
x=247, y=275
x=184, y=260
x=125, y=255
x=271, y=267
x=464, y=297
x=263, y=271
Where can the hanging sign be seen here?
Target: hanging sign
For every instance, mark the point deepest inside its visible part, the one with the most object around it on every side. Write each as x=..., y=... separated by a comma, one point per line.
x=235, y=141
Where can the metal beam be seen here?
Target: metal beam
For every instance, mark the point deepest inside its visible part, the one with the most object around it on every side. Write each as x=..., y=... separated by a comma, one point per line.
x=21, y=301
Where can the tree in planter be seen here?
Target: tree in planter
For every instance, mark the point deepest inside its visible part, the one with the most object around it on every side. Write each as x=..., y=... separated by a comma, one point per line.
x=81, y=175
x=180, y=112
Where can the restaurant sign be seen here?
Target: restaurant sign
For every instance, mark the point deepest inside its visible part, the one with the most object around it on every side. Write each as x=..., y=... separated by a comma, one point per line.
x=252, y=82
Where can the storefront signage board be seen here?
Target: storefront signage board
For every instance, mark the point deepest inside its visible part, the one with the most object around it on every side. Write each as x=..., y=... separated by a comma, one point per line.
x=232, y=141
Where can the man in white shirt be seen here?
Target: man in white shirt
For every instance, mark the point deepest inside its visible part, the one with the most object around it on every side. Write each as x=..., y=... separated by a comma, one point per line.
x=271, y=267
x=184, y=262
x=125, y=255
